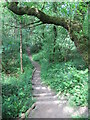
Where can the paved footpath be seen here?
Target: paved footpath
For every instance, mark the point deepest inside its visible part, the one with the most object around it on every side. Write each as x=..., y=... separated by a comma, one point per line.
x=47, y=103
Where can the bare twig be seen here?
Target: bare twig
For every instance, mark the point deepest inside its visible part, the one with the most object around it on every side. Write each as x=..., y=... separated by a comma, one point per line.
x=31, y=24
x=36, y=25
x=43, y=6
x=24, y=26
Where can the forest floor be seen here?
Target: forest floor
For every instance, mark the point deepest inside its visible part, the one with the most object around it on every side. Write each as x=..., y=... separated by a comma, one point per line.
x=48, y=105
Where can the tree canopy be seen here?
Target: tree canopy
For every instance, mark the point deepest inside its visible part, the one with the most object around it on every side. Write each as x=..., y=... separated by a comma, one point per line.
x=74, y=26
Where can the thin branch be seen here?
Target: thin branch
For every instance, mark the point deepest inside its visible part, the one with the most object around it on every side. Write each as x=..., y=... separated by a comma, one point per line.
x=43, y=6
x=25, y=26
x=31, y=24
x=36, y=25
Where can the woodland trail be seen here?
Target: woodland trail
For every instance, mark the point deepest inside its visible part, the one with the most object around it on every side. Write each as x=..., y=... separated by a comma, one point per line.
x=47, y=103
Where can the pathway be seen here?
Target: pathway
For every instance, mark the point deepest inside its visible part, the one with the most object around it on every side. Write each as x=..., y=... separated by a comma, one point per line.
x=47, y=103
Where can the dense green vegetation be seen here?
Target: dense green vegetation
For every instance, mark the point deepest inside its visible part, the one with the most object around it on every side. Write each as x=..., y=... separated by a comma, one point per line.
x=17, y=91
x=67, y=78
x=17, y=94
x=16, y=86
x=58, y=42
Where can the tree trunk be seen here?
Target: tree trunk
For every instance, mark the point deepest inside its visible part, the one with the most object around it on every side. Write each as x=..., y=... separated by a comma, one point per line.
x=21, y=60
x=16, y=31
x=54, y=42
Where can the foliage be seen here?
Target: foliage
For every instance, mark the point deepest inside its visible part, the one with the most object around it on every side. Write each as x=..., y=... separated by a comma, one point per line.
x=16, y=87
x=63, y=45
x=17, y=92
x=62, y=68
x=68, y=78
x=36, y=47
x=85, y=25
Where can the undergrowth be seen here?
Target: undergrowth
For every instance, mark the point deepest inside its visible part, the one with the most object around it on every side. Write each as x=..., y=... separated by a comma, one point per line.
x=17, y=91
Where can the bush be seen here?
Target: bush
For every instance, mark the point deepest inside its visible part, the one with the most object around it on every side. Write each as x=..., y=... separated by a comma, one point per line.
x=17, y=91
x=36, y=47
x=66, y=79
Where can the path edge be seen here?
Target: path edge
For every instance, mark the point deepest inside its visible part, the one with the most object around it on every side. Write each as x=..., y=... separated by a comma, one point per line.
x=23, y=115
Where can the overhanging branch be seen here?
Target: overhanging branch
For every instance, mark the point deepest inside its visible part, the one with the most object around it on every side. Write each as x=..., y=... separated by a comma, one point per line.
x=72, y=26
x=37, y=13
x=64, y=22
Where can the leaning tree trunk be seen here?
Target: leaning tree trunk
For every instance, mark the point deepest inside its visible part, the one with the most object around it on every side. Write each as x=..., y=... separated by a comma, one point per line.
x=21, y=60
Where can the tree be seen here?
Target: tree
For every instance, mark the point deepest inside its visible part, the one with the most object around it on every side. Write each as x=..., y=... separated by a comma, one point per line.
x=21, y=60
x=75, y=28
